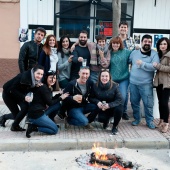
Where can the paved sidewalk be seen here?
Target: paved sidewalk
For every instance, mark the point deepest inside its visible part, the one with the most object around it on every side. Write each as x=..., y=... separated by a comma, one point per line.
x=79, y=138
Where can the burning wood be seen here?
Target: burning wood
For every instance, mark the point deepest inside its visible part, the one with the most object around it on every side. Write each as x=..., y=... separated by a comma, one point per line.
x=106, y=162
x=100, y=159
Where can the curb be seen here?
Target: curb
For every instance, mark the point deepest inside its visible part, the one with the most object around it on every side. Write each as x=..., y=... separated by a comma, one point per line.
x=80, y=144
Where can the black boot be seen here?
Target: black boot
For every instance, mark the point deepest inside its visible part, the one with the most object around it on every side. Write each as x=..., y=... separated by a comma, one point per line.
x=125, y=116
x=2, y=121
x=31, y=128
x=17, y=128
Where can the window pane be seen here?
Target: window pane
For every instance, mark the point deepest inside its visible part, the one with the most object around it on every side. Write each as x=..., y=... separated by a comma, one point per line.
x=72, y=24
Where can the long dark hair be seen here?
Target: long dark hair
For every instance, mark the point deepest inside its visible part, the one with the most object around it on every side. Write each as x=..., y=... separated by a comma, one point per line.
x=60, y=45
x=158, y=45
x=49, y=73
x=98, y=81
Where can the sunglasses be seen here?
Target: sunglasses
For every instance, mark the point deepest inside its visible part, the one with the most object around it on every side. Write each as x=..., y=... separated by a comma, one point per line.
x=104, y=69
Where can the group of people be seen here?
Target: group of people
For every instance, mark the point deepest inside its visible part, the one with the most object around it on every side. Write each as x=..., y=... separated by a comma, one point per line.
x=95, y=79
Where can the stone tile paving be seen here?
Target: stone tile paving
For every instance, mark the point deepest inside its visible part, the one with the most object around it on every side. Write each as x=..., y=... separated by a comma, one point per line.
x=126, y=131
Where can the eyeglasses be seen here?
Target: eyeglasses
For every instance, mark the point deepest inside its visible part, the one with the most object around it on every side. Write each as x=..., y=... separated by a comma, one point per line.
x=51, y=71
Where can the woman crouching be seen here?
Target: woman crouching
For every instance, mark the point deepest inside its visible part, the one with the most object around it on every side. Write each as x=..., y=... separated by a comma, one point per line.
x=105, y=93
x=42, y=97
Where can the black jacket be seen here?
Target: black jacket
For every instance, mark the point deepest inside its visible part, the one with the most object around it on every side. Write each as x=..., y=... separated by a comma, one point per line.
x=73, y=89
x=112, y=96
x=42, y=96
x=28, y=56
x=19, y=86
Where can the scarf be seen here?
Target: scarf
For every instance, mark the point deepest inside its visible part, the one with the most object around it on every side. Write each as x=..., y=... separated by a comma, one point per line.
x=105, y=48
x=66, y=50
x=53, y=54
x=95, y=58
x=34, y=82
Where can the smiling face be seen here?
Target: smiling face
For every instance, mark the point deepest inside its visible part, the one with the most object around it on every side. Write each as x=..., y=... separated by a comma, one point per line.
x=51, y=80
x=83, y=39
x=104, y=77
x=101, y=43
x=163, y=46
x=52, y=42
x=65, y=43
x=146, y=44
x=123, y=29
x=115, y=46
x=38, y=74
x=83, y=75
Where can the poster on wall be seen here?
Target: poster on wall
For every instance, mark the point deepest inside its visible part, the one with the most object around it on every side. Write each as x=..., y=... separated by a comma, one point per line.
x=23, y=34
x=137, y=38
x=156, y=38
x=105, y=28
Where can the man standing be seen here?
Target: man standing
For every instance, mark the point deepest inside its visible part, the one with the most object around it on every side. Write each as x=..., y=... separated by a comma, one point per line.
x=129, y=44
x=80, y=53
x=77, y=104
x=30, y=51
x=141, y=80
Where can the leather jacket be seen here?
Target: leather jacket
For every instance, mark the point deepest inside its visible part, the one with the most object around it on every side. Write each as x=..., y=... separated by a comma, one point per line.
x=28, y=56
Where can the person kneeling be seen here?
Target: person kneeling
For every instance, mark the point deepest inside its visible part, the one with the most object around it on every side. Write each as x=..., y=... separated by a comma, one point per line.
x=39, y=120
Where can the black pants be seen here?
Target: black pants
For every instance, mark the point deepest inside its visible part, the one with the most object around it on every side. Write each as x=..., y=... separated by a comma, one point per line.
x=12, y=104
x=163, y=98
x=116, y=112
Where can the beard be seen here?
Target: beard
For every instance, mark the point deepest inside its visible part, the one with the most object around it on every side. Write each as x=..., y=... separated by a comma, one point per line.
x=82, y=42
x=146, y=47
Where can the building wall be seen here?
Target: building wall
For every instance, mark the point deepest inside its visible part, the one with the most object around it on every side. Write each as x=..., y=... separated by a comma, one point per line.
x=9, y=17
x=149, y=16
x=40, y=12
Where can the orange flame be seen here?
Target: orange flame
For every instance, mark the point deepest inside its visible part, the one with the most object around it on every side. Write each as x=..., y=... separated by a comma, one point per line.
x=100, y=153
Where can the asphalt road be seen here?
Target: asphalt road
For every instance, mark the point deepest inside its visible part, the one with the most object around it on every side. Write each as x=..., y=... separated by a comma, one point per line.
x=65, y=160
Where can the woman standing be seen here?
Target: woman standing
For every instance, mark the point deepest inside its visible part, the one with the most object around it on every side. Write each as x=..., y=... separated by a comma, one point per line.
x=48, y=57
x=105, y=94
x=65, y=60
x=15, y=93
x=162, y=82
x=119, y=66
x=37, y=113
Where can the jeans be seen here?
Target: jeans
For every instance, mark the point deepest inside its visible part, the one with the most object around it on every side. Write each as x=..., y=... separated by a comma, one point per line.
x=115, y=112
x=45, y=125
x=52, y=111
x=123, y=87
x=76, y=116
x=144, y=92
x=163, y=98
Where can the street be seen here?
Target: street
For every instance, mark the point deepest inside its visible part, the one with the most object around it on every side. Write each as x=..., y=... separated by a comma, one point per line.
x=65, y=160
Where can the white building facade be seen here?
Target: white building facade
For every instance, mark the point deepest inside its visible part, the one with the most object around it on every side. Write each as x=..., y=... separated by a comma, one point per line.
x=69, y=17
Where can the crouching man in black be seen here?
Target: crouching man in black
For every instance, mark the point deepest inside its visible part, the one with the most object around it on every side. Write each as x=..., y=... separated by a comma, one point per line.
x=76, y=103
